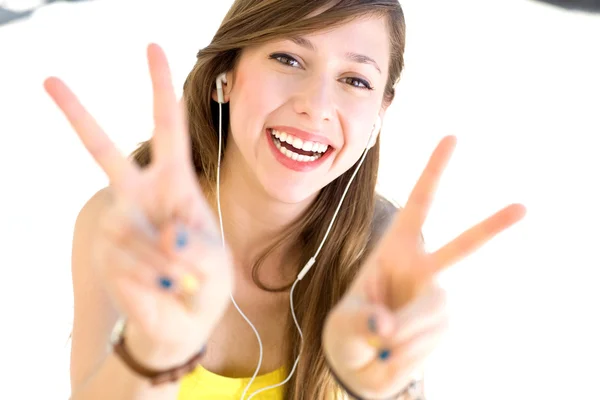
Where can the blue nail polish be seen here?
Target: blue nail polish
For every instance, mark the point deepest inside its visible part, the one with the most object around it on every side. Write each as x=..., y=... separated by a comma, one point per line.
x=181, y=239
x=372, y=324
x=384, y=354
x=165, y=282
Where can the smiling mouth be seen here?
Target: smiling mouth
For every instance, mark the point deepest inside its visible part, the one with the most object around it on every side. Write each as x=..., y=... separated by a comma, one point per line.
x=296, y=149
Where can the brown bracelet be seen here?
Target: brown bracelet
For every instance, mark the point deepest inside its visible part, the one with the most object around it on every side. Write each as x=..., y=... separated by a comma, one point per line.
x=156, y=377
x=355, y=396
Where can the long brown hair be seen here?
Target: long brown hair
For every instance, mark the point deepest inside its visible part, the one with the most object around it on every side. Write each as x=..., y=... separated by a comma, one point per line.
x=253, y=22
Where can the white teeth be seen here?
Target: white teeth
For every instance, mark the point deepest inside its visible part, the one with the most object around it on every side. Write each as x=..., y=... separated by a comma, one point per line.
x=295, y=156
x=299, y=143
x=307, y=146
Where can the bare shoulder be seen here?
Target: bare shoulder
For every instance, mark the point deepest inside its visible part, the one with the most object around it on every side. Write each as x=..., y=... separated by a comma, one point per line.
x=94, y=206
x=86, y=227
x=94, y=315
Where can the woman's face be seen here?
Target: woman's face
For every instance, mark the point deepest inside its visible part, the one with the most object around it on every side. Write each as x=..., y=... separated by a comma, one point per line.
x=302, y=109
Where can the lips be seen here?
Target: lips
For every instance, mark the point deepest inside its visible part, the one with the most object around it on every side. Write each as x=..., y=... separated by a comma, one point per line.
x=303, y=135
x=295, y=165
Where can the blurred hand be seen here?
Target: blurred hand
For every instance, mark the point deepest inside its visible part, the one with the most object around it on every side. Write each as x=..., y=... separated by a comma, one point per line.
x=158, y=250
x=393, y=315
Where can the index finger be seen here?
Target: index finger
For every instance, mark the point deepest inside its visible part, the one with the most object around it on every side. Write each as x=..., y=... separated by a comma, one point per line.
x=474, y=238
x=170, y=141
x=118, y=168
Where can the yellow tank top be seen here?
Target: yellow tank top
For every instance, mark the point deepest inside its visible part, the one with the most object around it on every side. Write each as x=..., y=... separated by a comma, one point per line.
x=202, y=384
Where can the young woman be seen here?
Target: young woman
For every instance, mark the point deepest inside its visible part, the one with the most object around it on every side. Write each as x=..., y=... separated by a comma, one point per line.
x=252, y=214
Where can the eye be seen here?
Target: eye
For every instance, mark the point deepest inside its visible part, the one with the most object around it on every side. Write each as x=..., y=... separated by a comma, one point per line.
x=285, y=59
x=358, y=83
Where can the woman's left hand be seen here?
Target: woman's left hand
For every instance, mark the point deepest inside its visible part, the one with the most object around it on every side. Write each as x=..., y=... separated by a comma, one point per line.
x=393, y=315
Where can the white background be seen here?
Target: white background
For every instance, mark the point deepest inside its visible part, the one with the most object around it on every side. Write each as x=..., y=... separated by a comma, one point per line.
x=518, y=82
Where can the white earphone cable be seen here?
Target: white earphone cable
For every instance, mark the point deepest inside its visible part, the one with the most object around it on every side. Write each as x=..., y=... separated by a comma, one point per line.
x=260, y=345
x=340, y=203
x=302, y=273
x=308, y=265
x=297, y=358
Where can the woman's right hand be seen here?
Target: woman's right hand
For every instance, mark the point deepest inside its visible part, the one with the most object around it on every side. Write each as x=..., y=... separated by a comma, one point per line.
x=158, y=250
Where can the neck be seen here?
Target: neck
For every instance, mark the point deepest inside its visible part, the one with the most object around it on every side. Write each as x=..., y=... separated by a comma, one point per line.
x=252, y=219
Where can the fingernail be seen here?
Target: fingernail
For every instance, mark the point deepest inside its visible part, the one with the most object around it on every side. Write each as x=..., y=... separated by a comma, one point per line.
x=374, y=342
x=372, y=322
x=165, y=282
x=189, y=283
x=384, y=354
x=181, y=239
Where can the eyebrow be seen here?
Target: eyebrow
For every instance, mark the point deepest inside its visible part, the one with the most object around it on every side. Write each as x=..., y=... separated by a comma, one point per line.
x=354, y=57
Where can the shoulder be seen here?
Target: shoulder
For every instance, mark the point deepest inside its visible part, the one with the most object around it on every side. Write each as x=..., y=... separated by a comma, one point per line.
x=90, y=213
x=85, y=231
x=384, y=212
x=385, y=209
x=94, y=314
x=96, y=202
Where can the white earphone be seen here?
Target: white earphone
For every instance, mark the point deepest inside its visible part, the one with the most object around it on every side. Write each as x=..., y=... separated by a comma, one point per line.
x=374, y=132
x=222, y=80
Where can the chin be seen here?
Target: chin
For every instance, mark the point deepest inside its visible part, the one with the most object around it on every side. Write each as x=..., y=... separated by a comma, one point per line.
x=290, y=192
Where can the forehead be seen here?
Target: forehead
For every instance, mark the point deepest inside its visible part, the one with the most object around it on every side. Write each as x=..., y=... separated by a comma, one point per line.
x=368, y=31
x=368, y=36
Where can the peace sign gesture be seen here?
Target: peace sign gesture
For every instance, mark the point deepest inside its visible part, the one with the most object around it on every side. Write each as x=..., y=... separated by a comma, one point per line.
x=393, y=315
x=158, y=249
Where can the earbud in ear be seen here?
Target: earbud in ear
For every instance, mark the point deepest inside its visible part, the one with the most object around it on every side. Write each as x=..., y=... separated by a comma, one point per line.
x=221, y=79
x=374, y=132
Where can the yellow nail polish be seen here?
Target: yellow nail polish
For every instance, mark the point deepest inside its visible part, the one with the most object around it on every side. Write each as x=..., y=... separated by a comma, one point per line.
x=374, y=342
x=189, y=283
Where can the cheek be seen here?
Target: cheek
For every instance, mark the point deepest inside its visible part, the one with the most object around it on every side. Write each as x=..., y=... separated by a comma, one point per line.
x=254, y=97
x=358, y=114
x=241, y=104
x=358, y=125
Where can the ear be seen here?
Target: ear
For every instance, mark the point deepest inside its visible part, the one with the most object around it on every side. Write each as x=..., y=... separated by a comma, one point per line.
x=226, y=83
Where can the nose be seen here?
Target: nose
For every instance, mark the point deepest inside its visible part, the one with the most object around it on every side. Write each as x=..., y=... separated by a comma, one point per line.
x=314, y=100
